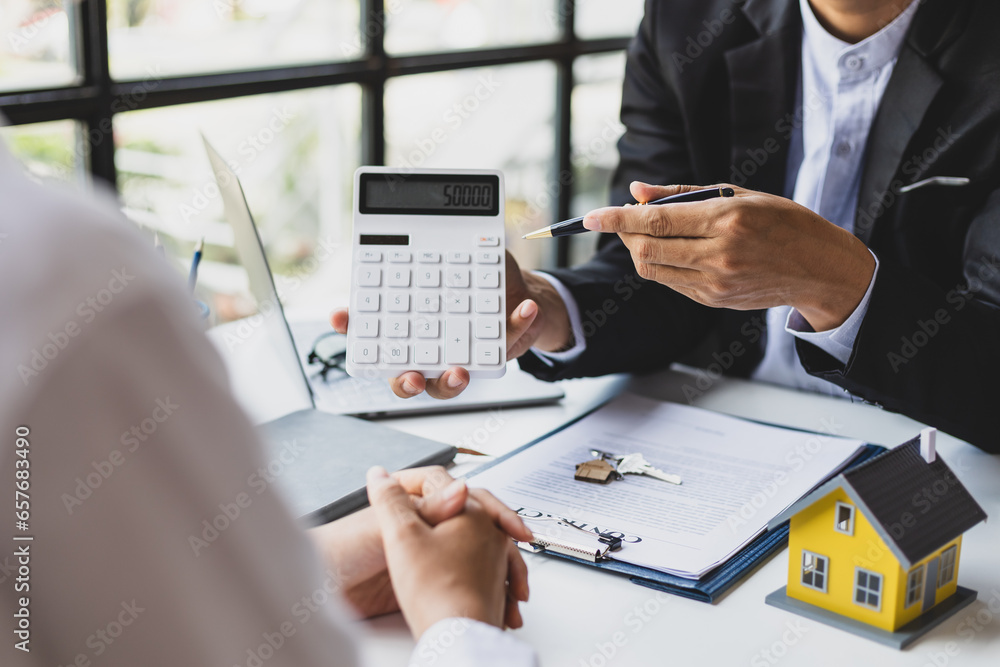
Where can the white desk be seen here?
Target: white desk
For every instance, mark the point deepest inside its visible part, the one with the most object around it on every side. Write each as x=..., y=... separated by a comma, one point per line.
x=581, y=617
x=575, y=611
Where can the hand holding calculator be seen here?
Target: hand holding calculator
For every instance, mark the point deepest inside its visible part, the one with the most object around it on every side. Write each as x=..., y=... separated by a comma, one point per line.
x=428, y=283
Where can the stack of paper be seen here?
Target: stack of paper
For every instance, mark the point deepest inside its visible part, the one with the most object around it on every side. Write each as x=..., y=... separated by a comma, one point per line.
x=736, y=476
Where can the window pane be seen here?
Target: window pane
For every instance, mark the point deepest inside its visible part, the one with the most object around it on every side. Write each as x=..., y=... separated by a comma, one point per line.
x=600, y=18
x=867, y=589
x=845, y=518
x=50, y=151
x=914, y=586
x=432, y=25
x=480, y=119
x=169, y=37
x=295, y=154
x=38, y=49
x=947, y=568
x=595, y=131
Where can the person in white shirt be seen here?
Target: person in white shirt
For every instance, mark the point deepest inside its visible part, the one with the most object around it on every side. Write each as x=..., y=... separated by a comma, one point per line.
x=148, y=545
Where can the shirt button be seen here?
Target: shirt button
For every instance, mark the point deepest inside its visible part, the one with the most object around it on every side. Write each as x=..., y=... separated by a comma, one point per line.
x=843, y=149
x=854, y=63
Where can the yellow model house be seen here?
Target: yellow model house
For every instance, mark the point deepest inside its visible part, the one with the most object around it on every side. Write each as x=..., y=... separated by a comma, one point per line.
x=875, y=550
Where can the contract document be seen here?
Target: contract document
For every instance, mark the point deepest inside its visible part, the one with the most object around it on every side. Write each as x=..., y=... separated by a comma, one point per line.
x=736, y=476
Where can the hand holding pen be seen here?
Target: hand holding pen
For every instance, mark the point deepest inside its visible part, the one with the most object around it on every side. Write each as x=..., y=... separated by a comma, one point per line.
x=575, y=225
x=751, y=251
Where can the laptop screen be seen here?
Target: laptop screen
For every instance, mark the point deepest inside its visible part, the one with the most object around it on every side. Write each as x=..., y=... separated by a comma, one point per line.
x=266, y=332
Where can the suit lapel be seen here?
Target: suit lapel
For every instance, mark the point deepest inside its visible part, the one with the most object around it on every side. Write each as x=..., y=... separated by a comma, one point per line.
x=914, y=85
x=912, y=88
x=762, y=85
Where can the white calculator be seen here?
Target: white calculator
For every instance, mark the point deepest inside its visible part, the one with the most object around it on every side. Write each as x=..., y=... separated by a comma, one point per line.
x=427, y=282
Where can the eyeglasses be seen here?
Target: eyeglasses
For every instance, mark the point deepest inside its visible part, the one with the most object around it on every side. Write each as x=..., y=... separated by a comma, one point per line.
x=330, y=350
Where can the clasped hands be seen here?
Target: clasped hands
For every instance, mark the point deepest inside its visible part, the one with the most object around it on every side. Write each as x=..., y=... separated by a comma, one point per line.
x=430, y=547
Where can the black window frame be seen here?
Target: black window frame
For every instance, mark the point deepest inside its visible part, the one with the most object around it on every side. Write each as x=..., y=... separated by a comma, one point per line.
x=96, y=98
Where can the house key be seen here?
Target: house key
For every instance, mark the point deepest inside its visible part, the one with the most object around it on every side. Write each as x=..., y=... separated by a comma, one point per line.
x=636, y=464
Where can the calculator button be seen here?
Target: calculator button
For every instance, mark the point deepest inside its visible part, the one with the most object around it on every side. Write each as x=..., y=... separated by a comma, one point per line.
x=367, y=301
x=365, y=327
x=398, y=302
x=429, y=278
x=398, y=257
x=427, y=353
x=458, y=257
x=456, y=340
x=487, y=303
x=487, y=327
x=487, y=257
x=487, y=354
x=397, y=327
x=488, y=241
x=397, y=277
x=428, y=303
x=457, y=278
x=427, y=327
x=369, y=276
x=396, y=353
x=487, y=278
x=428, y=257
x=365, y=352
x=457, y=303
x=370, y=256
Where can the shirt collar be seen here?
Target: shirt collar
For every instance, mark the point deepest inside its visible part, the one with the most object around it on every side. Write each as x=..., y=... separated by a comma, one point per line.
x=855, y=61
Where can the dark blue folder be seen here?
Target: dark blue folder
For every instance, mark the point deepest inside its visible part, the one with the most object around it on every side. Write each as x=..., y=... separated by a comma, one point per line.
x=714, y=584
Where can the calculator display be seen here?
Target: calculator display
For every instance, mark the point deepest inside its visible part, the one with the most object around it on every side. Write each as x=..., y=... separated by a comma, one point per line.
x=429, y=194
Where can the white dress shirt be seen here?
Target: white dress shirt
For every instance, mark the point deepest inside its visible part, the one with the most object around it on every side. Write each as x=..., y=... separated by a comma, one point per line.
x=840, y=89
x=136, y=446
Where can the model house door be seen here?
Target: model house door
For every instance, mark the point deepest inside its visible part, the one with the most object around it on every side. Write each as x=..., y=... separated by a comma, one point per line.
x=930, y=583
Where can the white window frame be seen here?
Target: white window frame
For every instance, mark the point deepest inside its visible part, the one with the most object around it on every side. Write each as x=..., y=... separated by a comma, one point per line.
x=949, y=564
x=868, y=589
x=914, y=586
x=850, y=521
x=824, y=572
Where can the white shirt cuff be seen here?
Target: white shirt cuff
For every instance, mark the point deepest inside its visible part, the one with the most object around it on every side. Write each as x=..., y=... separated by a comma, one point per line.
x=575, y=323
x=838, y=342
x=459, y=642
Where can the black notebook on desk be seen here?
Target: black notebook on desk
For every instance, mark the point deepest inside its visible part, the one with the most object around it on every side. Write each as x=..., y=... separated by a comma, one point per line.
x=696, y=539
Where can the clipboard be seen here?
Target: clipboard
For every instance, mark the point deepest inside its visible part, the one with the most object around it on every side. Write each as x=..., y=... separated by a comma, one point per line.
x=711, y=587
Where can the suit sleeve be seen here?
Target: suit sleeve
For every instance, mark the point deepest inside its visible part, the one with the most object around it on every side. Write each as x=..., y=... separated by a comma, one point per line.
x=929, y=352
x=631, y=324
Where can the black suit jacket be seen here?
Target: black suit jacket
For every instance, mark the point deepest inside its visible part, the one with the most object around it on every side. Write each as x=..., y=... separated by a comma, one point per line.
x=709, y=97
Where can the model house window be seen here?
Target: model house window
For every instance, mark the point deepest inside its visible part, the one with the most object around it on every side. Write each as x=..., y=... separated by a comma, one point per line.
x=915, y=586
x=844, y=522
x=946, y=572
x=814, y=570
x=868, y=589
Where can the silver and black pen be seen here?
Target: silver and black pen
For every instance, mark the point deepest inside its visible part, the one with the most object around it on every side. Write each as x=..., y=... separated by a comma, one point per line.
x=575, y=225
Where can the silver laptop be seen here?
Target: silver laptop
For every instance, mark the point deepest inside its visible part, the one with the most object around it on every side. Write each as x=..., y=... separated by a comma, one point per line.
x=323, y=456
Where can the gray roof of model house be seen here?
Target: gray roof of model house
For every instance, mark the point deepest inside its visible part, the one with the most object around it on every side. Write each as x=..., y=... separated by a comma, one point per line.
x=914, y=506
